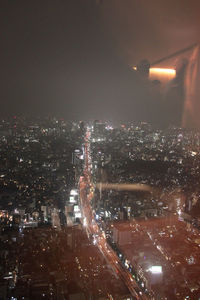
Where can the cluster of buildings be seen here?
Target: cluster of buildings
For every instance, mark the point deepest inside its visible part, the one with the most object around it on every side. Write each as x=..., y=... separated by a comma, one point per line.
x=38, y=159
x=161, y=254
x=47, y=263
x=40, y=162
x=166, y=160
x=44, y=252
x=155, y=232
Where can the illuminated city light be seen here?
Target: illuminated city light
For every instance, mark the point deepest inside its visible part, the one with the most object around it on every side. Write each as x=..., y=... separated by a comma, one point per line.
x=74, y=193
x=84, y=222
x=78, y=215
x=72, y=200
x=76, y=208
x=156, y=269
x=193, y=153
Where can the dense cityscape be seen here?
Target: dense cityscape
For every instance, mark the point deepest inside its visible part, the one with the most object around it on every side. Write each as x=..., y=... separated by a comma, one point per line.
x=99, y=150
x=96, y=211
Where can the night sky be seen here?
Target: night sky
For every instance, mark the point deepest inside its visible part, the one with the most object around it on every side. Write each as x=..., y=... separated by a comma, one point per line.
x=70, y=57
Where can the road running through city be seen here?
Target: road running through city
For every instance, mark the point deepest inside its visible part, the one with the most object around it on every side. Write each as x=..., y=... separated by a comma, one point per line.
x=86, y=194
